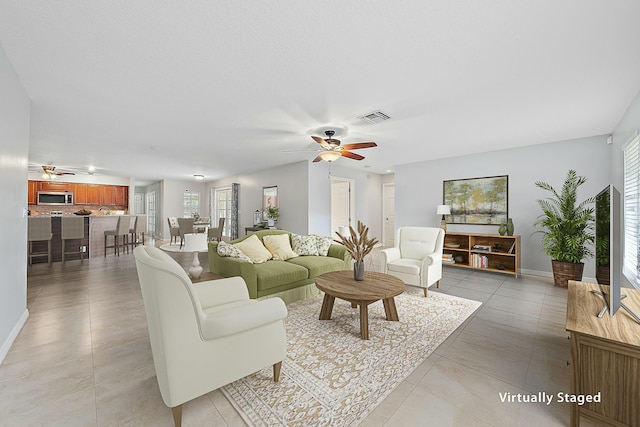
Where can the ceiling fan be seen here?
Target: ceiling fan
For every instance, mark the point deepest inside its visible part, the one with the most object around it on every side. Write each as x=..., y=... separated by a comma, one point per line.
x=50, y=172
x=333, y=149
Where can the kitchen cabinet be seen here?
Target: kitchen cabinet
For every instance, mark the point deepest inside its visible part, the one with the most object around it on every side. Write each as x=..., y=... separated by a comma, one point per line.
x=93, y=194
x=32, y=193
x=108, y=194
x=54, y=186
x=80, y=194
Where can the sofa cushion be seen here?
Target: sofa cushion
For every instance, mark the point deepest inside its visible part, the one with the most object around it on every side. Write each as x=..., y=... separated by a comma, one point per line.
x=317, y=265
x=279, y=246
x=323, y=243
x=304, y=245
x=227, y=250
x=254, y=249
x=277, y=273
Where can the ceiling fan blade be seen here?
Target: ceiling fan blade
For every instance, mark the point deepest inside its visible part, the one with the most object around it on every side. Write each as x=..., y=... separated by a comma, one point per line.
x=64, y=173
x=317, y=159
x=320, y=141
x=351, y=155
x=359, y=145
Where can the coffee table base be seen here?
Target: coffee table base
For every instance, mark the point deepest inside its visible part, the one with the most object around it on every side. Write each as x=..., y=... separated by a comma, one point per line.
x=389, y=310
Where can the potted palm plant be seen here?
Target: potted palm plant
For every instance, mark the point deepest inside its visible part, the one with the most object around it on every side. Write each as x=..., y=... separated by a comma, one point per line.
x=567, y=228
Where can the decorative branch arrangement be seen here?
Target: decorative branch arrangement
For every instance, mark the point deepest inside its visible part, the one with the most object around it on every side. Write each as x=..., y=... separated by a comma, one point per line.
x=358, y=245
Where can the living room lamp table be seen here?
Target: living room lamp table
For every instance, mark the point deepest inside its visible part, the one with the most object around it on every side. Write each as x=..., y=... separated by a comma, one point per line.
x=375, y=286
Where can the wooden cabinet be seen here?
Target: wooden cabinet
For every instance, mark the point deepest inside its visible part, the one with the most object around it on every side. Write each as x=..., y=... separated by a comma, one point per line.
x=32, y=193
x=605, y=357
x=54, y=186
x=80, y=194
x=93, y=194
x=83, y=194
x=490, y=252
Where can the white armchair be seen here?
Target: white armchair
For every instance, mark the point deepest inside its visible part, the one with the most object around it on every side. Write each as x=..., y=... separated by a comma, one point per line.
x=205, y=335
x=416, y=257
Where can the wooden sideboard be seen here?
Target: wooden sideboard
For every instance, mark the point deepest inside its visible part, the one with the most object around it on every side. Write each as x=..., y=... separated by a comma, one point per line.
x=605, y=357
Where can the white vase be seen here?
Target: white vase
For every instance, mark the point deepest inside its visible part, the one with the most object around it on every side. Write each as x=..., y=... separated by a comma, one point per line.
x=271, y=222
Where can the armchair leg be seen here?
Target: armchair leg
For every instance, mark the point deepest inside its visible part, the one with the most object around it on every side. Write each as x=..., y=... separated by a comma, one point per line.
x=276, y=371
x=177, y=415
x=438, y=284
x=425, y=292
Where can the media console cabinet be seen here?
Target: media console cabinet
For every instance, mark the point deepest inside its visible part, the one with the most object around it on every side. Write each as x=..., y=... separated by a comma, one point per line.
x=605, y=357
x=491, y=252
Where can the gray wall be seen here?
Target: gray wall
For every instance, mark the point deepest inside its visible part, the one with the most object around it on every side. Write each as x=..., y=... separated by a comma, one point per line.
x=14, y=142
x=419, y=187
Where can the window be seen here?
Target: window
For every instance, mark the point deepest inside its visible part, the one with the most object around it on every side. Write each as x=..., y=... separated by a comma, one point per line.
x=191, y=204
x=151, y=211
x=631, y=209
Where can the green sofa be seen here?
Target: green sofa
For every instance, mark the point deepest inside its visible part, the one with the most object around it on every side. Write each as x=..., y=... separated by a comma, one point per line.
x=291, y=280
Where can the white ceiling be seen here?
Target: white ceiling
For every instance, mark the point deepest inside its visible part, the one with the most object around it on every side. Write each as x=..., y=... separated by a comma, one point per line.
x=225, y=87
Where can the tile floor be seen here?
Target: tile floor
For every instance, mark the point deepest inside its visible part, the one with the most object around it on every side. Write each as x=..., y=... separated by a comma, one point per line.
x=83, y=358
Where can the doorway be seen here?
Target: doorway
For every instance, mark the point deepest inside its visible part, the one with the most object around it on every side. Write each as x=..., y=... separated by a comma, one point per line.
x=342, y=203
x=388, y=213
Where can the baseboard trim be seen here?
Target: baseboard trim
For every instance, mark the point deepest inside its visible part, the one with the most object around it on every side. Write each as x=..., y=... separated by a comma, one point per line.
x=4, y=350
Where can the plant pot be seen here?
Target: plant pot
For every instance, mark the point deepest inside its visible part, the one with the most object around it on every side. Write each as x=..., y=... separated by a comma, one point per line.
x=271, y=222
x=602, y=274
x=565, y=271
x=358, y=270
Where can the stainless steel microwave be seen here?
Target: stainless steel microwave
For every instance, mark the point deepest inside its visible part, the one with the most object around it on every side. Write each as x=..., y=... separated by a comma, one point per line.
x=50, y=198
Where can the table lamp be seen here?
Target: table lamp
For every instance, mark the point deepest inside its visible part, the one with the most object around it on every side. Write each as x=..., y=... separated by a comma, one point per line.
x=196, y=242
x=443, y=210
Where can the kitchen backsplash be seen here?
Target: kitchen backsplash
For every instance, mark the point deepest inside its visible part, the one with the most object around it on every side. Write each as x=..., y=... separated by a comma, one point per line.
x=36, y=210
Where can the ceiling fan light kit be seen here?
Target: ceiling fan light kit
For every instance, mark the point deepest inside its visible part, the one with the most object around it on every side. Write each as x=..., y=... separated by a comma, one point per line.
x=333, y=149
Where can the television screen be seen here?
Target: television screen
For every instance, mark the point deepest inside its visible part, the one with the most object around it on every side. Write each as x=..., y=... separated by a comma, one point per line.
x=607, y=246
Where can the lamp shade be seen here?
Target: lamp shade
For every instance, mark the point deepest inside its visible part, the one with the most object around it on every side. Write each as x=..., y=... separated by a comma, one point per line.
x=330, y=156
x=196, y=242
x=443, y=210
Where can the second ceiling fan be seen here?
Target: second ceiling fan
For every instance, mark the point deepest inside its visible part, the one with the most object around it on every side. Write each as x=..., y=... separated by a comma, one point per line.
x=333, y=149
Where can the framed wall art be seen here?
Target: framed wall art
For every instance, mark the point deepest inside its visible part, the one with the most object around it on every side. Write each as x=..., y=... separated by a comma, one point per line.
x=269, y=199
x=477, y=200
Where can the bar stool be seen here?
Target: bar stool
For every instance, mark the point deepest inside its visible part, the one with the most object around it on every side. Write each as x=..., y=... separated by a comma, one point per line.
x=122, y=229
x=72, y=228
x=39, y=229
x=139, y=226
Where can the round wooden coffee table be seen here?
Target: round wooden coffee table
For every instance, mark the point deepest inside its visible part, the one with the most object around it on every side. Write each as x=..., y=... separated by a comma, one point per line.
x=375, y=286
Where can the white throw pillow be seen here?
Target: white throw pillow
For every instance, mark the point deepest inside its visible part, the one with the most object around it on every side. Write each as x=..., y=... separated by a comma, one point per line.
x=254, y=249
x=304, y=245
x=227, y=250
x=279, y=246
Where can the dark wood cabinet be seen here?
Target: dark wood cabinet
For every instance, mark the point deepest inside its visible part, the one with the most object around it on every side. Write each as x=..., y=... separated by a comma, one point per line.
x=108, y=193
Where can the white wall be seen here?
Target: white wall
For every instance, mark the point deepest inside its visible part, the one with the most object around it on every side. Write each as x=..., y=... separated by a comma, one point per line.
x=292, y=183
x=304, y=196
x=629, y=124
x=368, y=197
x=14, y=152
x=419, y=187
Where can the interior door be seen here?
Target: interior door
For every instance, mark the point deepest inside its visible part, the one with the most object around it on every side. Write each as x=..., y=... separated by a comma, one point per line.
x=340, y=204
x=388, y=206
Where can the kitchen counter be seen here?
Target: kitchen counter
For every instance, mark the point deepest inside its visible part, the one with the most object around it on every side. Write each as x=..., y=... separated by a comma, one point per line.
x=95, y=226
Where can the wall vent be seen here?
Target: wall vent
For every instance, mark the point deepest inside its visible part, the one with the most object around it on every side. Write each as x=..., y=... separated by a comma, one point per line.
x=375, y=117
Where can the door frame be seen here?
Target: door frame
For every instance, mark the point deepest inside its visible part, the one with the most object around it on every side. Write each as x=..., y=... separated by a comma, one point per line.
x=385, y=188
x=352, y=198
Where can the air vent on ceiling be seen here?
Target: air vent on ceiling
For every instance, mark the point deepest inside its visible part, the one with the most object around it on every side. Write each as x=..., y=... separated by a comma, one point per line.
x=375, y=117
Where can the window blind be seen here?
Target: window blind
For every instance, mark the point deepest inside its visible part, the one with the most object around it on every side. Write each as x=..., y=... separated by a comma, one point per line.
x=631, y=209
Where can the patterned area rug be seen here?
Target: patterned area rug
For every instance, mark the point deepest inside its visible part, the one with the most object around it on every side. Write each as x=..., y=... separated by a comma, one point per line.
x=333, y=378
